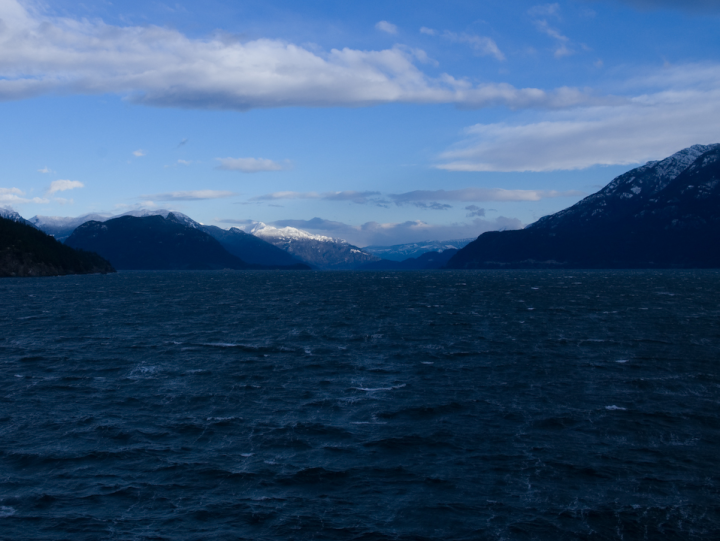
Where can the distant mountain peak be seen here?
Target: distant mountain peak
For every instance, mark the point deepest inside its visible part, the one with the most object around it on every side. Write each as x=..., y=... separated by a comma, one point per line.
x=261, y=229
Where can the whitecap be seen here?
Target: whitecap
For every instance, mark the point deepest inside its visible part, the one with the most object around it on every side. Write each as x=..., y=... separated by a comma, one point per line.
x=247, y=455
x=621, y=361
x=6, y=511
x=615, y=408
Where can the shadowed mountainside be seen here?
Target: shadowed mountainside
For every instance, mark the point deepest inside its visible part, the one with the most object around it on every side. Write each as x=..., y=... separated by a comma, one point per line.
x=662, y=215
x=26, y=251
x=153, y=243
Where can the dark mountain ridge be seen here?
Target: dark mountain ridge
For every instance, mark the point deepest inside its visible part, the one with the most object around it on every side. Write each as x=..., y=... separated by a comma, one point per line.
x=662, y=215
x=26, y=251
x=153, y=243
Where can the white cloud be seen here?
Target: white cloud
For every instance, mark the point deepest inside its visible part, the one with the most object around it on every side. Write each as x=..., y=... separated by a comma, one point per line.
x=479, y=194
x=139, y=153
x=547, y=10
x=187, y=196
x=428, y=31
x=385, y=26
x=184, y=162
x=647, y=127
x=482, y=45
x=544, y=10
x=251, y=165
x=353, y=196
x=16, y=195
x=64, y=185
x=45, y=169
x=165, y=68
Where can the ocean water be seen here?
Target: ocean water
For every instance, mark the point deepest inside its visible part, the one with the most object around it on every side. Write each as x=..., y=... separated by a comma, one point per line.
x=371, y=405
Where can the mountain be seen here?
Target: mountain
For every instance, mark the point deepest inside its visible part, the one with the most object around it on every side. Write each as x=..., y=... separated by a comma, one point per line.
x=153, y=243
x=10, y=214
x=426, y=261
x=26, y=251
x=401, y=252
x=662, y=215
x=315, y=250
x=252, y=249
x=62, y=227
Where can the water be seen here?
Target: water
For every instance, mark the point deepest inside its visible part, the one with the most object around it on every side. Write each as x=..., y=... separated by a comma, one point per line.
x=339, y=405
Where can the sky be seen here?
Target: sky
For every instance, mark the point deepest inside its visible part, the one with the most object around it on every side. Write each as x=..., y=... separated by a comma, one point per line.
x=377, y=122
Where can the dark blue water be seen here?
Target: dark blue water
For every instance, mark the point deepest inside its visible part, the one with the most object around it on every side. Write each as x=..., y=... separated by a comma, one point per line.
x=307, y=405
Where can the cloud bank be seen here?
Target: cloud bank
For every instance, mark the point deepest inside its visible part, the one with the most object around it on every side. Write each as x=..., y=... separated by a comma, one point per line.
x=162, y=67
x=649, y=126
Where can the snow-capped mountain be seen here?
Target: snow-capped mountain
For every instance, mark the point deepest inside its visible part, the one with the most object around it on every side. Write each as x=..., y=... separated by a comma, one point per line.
x=401, y=252
x=10, y=214
x=179, y=216
x=315, y=250
x=664, y=214
x=61, y=227
x=626, y=193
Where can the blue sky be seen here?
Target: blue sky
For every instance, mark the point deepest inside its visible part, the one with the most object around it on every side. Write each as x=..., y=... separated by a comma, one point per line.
x=377, y=122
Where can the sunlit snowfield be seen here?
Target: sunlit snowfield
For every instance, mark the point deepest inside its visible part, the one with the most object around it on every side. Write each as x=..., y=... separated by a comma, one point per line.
x=377, y=405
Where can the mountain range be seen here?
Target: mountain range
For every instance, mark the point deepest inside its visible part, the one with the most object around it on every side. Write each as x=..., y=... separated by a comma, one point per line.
x=401, y=252
x=665, y=214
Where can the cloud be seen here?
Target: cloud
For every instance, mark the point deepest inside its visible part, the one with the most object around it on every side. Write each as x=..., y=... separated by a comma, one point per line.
x=646, y=127
x=474, y=210
x=386, y=234
x=540, y=13
x=16, y=195
x=360, y=198
x=482, y=45
x=162, y=67
x=479, y=194
x=544, y=10
x=189, y=196
x=692, y=6
x=64, y=185
x=251, y=165
x=45, y=170
x=385, y=26
x=434, y=205
x=428, y=31
x=139, y=153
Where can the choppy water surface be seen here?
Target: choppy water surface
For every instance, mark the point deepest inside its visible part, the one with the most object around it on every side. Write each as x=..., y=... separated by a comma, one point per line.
x=305, y=405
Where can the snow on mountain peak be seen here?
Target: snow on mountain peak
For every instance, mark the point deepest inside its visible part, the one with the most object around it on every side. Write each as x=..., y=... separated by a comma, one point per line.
x=261, y=229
